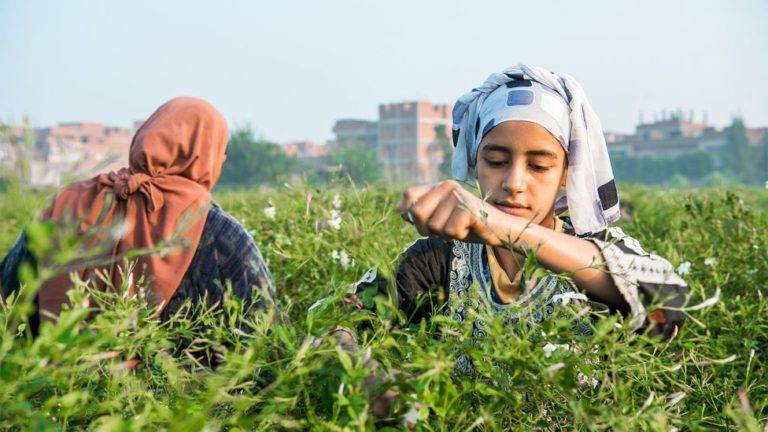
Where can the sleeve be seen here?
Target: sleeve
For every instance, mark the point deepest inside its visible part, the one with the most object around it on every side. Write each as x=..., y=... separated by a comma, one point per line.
x=226, y=255
x=9, y=267
x=249, y=274
x=9, y=276
x=240, y=262
x=643, y=279
x=420, y=281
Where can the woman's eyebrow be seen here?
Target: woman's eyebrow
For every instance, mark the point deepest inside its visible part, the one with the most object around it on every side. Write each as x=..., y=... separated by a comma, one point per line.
x=543, y=153
x=496, y=147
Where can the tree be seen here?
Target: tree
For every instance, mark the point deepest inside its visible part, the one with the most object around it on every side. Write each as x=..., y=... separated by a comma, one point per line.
x=737, y=158
x=694, y=165
x=444, y=143
x=358, y=161
x=252, y=161
x=15, y=169
x=655, y=170
x=762, y=158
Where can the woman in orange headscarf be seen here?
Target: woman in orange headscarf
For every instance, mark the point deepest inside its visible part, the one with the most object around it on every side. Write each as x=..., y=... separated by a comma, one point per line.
x=162, y=201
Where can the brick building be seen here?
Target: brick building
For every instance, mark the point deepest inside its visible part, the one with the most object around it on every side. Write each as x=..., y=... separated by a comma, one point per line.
x=408, y=142
x=311, y=154
x=404, y=137
x=304, y=149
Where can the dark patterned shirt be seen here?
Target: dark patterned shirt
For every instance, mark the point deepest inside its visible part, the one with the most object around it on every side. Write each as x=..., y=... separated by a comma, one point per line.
x=226, y=255
x=435, y=274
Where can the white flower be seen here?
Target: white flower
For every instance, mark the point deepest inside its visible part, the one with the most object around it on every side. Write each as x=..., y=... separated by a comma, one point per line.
x=549, y=348
x=684, y=268
x=710, y=262
x=584, y=380
x=648, y=400
x=119, y=230
x=336, y=203
x=674, y=398
x=566, y=298
x=335, y=221
x=270, y=211
x=555, y=367
x=342, y=258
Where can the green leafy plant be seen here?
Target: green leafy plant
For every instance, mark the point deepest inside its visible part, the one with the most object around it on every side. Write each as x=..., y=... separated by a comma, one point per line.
x=126, y=370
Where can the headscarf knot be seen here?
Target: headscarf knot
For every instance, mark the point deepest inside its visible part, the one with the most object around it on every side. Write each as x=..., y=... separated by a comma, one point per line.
x=126, y=183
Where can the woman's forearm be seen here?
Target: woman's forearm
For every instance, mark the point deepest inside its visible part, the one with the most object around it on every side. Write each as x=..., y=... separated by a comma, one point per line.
x=561, y=252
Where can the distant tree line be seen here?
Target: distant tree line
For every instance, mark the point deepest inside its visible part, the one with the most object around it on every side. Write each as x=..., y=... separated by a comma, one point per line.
x=746, y=162
x=253, y=161
x=740, y=162
x=657, y=170
x=357, y=161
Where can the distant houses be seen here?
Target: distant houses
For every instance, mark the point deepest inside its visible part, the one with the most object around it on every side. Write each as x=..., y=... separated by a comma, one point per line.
x=310, y=153
x=404, y=137
x=64, y=152
x=674, y=136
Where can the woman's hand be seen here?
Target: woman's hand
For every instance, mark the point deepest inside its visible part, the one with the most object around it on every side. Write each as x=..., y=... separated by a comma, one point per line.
x=449, y=211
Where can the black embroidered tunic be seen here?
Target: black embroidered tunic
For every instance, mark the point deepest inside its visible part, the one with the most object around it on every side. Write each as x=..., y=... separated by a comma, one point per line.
x=437, y=274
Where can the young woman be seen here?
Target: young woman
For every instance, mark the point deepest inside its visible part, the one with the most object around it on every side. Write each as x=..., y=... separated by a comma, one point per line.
x=531, y=141
x=162, y=199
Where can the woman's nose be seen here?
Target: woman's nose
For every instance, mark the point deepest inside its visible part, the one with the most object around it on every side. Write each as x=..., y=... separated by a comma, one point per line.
x=514, y=181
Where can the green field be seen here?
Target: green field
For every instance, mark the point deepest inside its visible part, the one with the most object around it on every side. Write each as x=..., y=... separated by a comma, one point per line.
x=712, y=376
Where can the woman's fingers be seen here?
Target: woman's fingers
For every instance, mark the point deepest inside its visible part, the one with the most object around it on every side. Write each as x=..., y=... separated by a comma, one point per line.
x=410, y=196
x=450, y=211
x=458, y=224
x=446, y=210
x=353, y=299
x=440, y=215
x=424, y=208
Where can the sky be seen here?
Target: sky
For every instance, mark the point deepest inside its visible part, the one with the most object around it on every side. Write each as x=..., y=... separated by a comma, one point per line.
x=290, y=69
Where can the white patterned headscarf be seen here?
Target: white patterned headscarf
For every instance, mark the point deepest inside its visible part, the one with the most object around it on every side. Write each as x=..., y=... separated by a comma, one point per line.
x=558, y=103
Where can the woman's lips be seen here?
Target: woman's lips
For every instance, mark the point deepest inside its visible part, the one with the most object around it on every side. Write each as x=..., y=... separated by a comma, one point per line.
x=514, y=210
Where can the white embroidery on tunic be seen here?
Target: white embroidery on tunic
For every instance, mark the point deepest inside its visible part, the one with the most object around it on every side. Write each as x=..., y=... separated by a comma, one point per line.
x=460, y=280
x=467, y=267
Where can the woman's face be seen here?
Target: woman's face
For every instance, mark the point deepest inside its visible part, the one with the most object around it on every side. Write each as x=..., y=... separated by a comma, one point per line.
x=520, y=168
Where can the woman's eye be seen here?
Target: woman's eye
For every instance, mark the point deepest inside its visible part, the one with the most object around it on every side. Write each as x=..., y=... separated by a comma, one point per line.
x=536, y=167
x=495, y=163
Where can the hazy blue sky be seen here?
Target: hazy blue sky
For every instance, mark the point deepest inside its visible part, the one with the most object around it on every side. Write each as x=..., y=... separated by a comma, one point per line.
x=292, y=68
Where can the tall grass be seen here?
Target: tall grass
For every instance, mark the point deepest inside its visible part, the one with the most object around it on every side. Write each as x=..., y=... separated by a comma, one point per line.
x=124, y=370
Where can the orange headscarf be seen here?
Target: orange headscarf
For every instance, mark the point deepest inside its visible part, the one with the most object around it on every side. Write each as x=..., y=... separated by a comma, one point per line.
x=175, y=160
